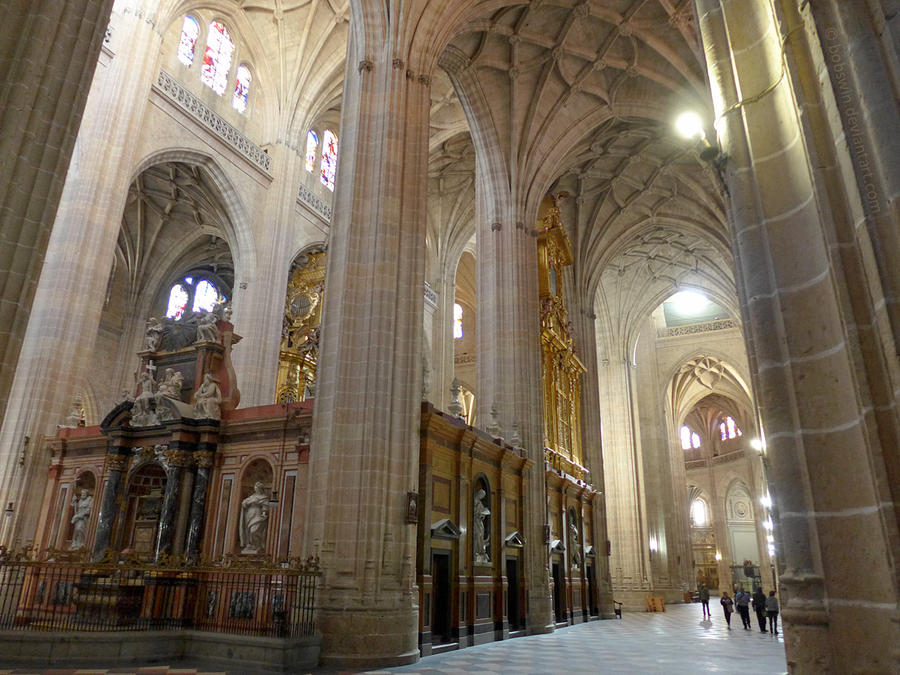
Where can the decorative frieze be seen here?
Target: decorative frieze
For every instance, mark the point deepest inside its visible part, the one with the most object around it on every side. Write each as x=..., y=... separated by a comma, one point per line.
x=694, y=328
x=178, y=94
x=305, y=195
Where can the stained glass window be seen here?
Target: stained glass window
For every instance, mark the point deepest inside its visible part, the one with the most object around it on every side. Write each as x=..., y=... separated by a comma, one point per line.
x=241, y=89
x=217, y=58
x=205, y=297
x=312, y=145
x=178, y=299
x=689, y=439
x=190, y=31
x=729, y=429
x=457, y=321
x=329, y=159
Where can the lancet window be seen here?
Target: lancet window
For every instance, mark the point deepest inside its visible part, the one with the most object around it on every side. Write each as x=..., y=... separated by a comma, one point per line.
x=241, y=88
x=689, y=439
x=217, y=58
x=190, y=31
x=728, y=429
x=312, y=147
x=457, y=321
x=699, y=515
x=329, y=158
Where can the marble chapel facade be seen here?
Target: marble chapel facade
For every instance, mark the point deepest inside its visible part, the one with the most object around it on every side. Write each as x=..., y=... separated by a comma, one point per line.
x=433, y=293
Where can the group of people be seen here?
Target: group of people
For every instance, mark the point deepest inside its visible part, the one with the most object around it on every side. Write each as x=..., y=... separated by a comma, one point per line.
x=764, y=607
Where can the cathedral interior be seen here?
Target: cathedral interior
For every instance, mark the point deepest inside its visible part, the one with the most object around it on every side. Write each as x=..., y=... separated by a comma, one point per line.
x=351, y=332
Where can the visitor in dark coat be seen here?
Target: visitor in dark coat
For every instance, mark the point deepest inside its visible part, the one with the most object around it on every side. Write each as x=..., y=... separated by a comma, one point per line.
x=759, y=606
x=727, y=605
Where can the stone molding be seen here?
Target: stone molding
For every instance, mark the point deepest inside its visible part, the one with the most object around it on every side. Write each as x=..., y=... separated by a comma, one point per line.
x=116, y=462
x=430, y=294
x=317, y=204
x=694, y=328
x=178, y=94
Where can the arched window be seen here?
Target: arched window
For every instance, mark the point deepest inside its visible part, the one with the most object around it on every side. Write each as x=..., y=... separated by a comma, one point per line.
x=201, y=296
x=457, y=321
x=190, y=31
x=178, y=299
x=699, y=515
x=217, y=58
x=241, y=89
x=689, y=439
x=312, y=146
x=329, y=159
x=729, y=429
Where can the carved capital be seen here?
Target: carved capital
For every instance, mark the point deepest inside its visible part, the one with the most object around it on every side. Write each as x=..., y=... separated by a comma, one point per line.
x=204, y=458
x=495, y=227
x=424, y=80
x=181, y=458
x=116, y=462
x=397, y=63
x=366, y=65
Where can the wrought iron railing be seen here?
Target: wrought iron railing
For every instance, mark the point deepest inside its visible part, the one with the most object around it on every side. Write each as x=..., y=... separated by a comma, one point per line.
x=245, y=597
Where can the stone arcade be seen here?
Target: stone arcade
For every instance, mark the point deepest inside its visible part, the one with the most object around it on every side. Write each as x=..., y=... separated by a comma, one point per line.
x=511, y=349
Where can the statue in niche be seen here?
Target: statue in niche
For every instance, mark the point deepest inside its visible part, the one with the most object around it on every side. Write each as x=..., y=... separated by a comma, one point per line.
x=153, y=335
x=480, y=541
x=80, y=519
x=208, y=399
x=254, y=521
x=143, y=413
x=171, y=384
x=207, y=331
x=573, y=543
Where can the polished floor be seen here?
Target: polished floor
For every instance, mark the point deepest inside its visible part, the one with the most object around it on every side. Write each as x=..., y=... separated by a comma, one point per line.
x=674, y=642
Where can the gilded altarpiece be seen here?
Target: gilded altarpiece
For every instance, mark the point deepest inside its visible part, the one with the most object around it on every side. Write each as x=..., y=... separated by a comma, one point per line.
x=561, y=367
x=300, y=328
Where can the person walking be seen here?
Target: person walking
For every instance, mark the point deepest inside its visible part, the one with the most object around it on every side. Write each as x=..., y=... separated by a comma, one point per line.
x=704, y=600
x=772, y=612
x=728, y=606
x=759, y=606
x=742, y=602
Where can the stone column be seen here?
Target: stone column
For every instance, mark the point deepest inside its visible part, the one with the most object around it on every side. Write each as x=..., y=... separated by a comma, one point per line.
x=47, y=58
x=811, y=395
x=509, y=369
x=584, y=324
x=204, y=459
x=69, y=298
x=259, y=293
x=369, y=389
x=116, y=464
x=177, y=461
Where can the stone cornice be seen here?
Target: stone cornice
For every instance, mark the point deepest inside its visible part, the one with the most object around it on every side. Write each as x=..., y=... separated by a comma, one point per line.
x=305, y=195
x=695, y=328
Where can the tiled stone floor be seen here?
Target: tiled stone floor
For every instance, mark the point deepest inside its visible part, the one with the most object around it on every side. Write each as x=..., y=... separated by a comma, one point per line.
x=674, y=642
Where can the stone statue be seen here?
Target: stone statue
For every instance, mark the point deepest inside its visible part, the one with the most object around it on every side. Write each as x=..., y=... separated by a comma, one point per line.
x=207, y=331
x=254, y=520
x=573, y=543
x=80, y=519
x=74, y=418
x=171, y=384
x=143, y=413
x=480, y=542
x=153, y=335
x=208, y=399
